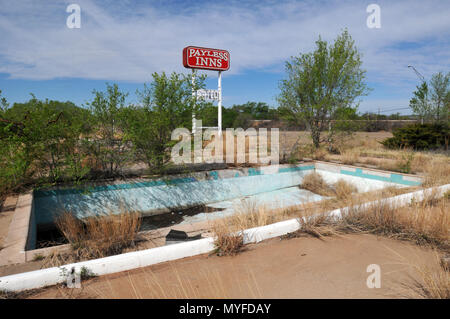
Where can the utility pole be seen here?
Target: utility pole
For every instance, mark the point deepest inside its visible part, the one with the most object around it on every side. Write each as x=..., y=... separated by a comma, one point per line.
x=420, y=76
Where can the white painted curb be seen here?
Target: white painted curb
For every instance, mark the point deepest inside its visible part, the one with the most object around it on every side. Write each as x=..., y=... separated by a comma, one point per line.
x=397, y=201
x=107, y=265
x=143, y=258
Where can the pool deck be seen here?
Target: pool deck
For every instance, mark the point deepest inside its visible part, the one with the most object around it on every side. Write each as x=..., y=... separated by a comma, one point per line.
x=15, y=244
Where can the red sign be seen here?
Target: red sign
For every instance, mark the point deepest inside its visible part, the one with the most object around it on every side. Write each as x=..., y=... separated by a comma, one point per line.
x=206, y=59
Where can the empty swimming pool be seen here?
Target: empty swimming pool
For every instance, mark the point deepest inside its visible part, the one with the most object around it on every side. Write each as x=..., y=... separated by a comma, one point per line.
x=191, y=198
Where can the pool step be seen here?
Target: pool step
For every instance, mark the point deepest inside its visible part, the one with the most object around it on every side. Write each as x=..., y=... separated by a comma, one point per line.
x=179, y=236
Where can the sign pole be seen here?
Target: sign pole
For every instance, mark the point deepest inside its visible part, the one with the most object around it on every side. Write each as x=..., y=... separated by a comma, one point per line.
x=194, y=94
x=219, y=105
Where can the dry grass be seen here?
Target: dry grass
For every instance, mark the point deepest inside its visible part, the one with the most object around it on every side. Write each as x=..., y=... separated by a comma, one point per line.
x=228, y=244
x=437, y=172
x=71, y=227
x=100, y=236
x=426, y=222
x=228, y=231
x=250, y=214
x=316, y=184
x=320, y=154
x=19, y=294
x=342, y=190
x=433, y=282
x=317, y=226
x=365, y=149
x=227, y=241
x=350, y=156
x=420, y=160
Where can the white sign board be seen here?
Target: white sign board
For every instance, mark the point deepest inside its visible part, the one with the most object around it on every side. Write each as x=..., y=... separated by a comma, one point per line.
x=208, y=94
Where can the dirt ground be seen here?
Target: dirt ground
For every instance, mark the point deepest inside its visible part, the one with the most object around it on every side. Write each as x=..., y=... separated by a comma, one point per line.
x=304, y=267
x=288, y=138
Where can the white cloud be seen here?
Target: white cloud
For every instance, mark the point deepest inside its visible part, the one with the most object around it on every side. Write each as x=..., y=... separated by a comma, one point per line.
x=127, y=42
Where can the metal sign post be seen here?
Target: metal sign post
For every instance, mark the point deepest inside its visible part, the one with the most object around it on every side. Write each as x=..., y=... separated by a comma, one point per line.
x=219, y=104
x=194, y=94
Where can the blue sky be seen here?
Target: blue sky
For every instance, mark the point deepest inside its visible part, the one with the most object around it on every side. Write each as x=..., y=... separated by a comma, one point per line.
x=125, y=41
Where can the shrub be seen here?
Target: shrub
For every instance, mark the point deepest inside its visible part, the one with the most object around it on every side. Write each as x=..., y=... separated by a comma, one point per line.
x=315, y=183
x=419, y=137
x=434, y=282
x=100, y=236
x=404, y=164
x=425, y=222
x=228, y=241
x=344, y=190
x=228, y=244
x=437, y=172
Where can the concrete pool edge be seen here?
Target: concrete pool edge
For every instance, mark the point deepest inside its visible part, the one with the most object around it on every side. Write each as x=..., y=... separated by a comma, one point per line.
x=144, y=258
x=19, y=232
x=370, y=173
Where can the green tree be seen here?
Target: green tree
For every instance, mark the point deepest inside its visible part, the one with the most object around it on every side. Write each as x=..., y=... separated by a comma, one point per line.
x=108, y=145
x=208, y=114
x=440, y=95
x=165, y=104
x=322, y=86
x=3, y=103
x=243, y=120
x=431, y=101
x=41, y=139
x=257, y=110
x=420, y=103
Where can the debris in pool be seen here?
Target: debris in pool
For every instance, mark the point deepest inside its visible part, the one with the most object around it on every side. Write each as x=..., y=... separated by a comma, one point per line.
x=178, y=236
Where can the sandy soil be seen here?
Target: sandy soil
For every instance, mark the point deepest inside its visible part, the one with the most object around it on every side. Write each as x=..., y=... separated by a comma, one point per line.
x=302, y=267
x=288, y=138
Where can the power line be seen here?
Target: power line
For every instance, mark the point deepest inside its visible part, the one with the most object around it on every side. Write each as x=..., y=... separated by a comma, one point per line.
x=379, y=110
x=397, y=109
x=420, y=76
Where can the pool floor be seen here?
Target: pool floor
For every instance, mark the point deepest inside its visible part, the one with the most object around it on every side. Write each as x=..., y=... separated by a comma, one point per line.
x=279, y=198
